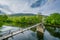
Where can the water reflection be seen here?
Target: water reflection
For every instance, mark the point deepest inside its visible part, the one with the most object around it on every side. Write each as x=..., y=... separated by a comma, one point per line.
x=4, y=30
x=52, y=33
x=27, y=35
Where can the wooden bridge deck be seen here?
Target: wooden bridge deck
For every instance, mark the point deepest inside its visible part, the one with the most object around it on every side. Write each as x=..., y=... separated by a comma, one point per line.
x=19, y=31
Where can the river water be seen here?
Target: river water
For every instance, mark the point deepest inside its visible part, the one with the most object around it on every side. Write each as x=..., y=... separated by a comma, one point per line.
x=52, y=33
x=49, y=33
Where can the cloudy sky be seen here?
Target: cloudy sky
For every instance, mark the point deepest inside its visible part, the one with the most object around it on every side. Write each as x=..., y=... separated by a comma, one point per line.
x=31, y=6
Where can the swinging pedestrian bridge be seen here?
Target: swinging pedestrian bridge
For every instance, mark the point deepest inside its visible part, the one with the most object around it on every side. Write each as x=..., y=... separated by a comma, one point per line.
x=39, y=27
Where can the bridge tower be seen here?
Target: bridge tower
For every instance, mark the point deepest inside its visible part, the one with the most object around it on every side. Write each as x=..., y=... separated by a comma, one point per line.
x=40, y=31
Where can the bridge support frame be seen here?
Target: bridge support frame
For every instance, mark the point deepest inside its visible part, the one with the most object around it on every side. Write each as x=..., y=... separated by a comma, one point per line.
x=40, y=32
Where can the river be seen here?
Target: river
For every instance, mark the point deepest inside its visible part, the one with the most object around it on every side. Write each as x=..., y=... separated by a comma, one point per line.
x=50, y=33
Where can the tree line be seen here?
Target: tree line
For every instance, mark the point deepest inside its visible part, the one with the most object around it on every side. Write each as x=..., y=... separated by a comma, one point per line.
x=22, y=21
x=53, y=19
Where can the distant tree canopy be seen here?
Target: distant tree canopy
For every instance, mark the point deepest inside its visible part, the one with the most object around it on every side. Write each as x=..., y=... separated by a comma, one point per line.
x=24, y=20
x=3, y=18
x=53, y=19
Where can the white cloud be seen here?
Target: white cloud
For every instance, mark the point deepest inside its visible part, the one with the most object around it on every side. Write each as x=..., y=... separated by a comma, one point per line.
x=19, y=5
x=24, y=6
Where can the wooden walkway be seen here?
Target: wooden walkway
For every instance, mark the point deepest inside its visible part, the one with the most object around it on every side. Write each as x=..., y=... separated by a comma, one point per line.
x=19, y=31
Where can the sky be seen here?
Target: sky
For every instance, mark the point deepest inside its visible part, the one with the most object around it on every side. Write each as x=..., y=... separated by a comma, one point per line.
x=45, y=7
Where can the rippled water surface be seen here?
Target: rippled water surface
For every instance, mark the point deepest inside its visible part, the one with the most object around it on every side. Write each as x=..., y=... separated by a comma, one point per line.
x=27, y=35
x=50, y=33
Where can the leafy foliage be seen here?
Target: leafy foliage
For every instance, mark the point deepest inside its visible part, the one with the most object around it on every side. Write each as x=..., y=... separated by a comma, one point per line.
x=23, y=21
x=53, y=19
x=3, y=18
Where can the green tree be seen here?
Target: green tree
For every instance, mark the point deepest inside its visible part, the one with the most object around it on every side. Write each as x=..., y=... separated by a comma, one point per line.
x=53, y=19
x=3, y=18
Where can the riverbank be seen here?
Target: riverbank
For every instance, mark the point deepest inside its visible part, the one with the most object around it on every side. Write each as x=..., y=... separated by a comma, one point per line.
x=52, y=25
